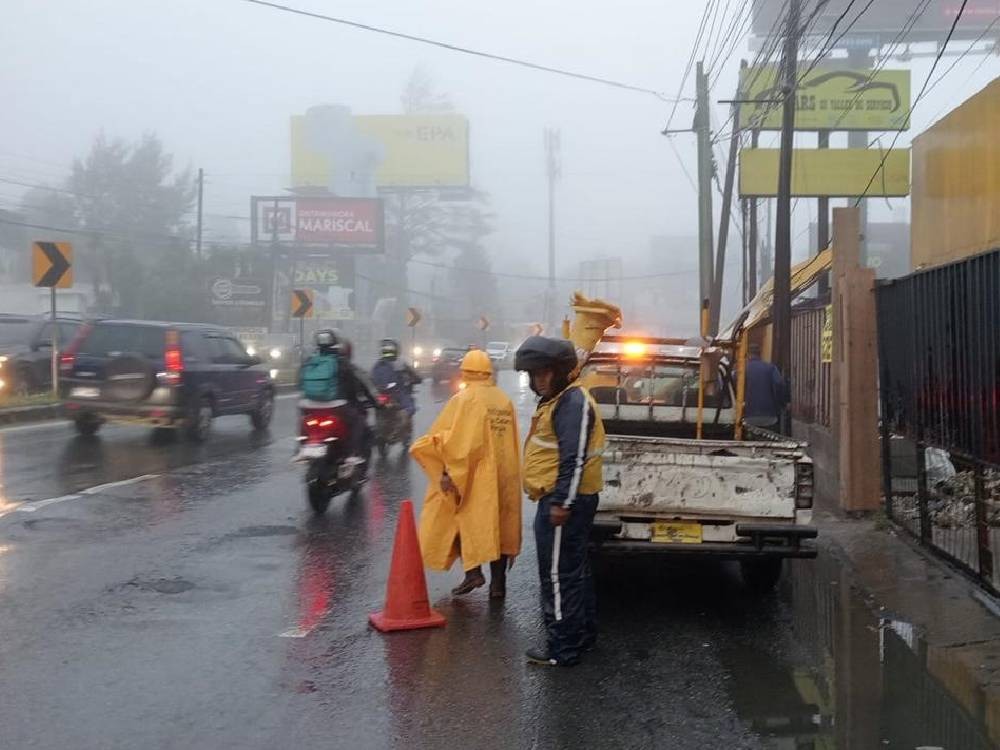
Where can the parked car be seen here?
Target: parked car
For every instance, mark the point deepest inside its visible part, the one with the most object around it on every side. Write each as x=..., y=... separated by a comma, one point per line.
x=26, y=351
x=166, y=375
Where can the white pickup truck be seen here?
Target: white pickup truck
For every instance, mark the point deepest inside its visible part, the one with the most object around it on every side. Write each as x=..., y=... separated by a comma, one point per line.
x=670, y=492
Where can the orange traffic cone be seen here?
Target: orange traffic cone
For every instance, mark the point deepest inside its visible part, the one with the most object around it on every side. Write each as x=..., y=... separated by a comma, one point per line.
x=406, y=603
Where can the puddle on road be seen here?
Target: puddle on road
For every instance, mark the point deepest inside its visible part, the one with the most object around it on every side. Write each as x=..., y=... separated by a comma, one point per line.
x=858, y=679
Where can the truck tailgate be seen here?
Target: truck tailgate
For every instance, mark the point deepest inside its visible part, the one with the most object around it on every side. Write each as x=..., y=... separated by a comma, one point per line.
x=662, y=477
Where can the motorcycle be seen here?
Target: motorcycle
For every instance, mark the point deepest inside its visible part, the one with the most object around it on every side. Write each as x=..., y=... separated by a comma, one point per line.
x=392, y=423
x=325, y=448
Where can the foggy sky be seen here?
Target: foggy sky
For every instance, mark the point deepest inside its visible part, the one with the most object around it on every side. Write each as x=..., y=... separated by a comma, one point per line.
x=218, y=80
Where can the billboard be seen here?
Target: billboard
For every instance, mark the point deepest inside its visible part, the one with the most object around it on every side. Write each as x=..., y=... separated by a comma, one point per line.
x=881, y=21
x=238, y=303
x=829, y=99
x=359, y=154
x=828, y=172
x=332, y=280
x=356, y=224
x=956, y=182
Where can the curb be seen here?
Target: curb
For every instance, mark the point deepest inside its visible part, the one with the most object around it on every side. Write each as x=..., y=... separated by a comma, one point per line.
x=22, y=414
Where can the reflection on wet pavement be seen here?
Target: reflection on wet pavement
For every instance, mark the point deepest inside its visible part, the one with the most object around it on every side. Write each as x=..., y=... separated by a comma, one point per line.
x=192, y=578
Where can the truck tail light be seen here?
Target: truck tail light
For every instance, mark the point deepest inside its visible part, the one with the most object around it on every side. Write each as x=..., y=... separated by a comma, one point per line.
x=804, y=484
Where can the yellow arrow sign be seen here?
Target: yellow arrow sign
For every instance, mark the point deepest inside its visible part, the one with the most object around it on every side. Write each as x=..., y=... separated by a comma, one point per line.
x=52, y=264
x=302, y=303
x=484, y=323
x=413, y=317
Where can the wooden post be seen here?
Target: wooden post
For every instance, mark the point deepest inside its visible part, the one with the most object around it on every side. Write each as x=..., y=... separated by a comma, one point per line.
x=855, y=362
x=741, y=383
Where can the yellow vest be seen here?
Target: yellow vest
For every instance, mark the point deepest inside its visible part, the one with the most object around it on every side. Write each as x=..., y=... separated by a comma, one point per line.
x=541, y=452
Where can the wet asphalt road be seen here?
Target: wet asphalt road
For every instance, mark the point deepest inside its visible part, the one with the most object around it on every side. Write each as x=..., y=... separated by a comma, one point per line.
x=205, y=607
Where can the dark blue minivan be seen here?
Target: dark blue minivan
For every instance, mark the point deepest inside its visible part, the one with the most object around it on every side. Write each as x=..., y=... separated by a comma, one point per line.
x=166, y=375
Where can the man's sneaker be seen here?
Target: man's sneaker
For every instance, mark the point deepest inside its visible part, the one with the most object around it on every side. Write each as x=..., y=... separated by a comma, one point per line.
x=542, y=659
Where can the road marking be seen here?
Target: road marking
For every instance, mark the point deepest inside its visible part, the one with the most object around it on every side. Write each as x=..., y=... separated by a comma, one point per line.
x=121, y=483
x=297, y=632
x=34, y=426
x=286, y=396
x=38, y=505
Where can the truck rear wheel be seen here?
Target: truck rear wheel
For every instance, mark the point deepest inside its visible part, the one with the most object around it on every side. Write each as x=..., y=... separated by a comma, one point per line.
x=761, y=576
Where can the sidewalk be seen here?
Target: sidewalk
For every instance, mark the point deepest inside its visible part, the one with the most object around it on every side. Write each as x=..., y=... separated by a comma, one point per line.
x=955, y=622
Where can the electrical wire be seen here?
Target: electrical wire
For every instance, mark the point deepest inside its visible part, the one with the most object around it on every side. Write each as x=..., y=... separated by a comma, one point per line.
x=457, y=48
x=964, y=54
x=529, y=277
x=923, y=91
x=689, y=66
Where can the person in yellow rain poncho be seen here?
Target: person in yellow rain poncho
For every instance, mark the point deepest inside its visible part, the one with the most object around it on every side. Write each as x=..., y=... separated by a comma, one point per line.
x=471, y=456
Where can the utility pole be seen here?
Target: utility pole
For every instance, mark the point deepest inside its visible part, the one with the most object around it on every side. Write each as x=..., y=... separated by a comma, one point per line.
x=702, y=126
x=715, y=308
x=860, y=59
x=553, y=170
x=753, y=241
x=781, y=318
x=823, y=222
x=201, y=191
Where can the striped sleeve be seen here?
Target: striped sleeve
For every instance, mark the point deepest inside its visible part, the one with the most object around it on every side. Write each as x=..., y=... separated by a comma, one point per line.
x=573, y=421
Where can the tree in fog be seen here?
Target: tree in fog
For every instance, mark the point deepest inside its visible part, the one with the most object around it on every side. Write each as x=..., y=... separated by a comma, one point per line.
x=130, y=210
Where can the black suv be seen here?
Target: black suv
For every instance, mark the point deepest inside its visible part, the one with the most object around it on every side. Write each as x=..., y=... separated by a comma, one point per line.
x=162, y=374
x=26, y=351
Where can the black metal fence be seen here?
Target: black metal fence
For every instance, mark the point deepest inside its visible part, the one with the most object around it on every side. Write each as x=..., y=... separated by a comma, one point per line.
x=939, y=359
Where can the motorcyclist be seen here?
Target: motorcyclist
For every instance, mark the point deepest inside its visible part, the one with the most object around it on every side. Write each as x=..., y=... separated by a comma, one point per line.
x=390, y=369
x=359, y=392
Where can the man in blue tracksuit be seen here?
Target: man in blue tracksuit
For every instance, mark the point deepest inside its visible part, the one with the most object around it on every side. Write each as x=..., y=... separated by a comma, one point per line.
x=563, y=469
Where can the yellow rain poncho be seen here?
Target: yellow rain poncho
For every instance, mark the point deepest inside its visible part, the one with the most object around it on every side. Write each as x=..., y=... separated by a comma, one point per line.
x=475, y=439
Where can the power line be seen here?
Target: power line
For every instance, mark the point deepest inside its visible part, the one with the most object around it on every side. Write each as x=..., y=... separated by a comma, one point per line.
x=670, y=142
x=460, y=49
x=923, y=91
x=690, y=64
x=965, y=53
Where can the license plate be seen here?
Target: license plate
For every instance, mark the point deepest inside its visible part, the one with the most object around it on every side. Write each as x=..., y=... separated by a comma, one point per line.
x=84, y=392
x=676, y=532
x=312, y=451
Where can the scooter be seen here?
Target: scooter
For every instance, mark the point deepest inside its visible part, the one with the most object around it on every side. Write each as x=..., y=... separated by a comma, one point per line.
x=392, y=423
x=325, y=448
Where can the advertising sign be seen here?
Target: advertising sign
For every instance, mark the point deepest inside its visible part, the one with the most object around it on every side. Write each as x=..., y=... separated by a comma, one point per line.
x=881, y=21
x=829, y=99
x=238, y=303
x=356, y=224
x=349, y=155
x=332, y=282
x=827, y=173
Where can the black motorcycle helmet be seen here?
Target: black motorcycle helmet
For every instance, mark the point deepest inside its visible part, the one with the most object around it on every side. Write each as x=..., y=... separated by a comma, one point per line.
x=540, y=352
x=390, y=349
x=326, y=340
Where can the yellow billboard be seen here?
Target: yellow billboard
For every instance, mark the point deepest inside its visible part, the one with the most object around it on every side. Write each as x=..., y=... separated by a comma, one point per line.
x=827, y=172
x=330, y=147
x=828, y=99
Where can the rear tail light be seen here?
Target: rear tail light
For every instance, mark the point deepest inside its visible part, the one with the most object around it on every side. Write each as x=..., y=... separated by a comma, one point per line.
x=173, y=359
x=67, y=358
x=804, y=484
x=319, y=427
x=383, y=399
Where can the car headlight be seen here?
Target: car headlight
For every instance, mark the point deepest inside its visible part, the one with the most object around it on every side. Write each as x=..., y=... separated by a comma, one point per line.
x=275, y=353
x=2, y=385
x=251, y=351
x=418, y=351
x=2, y=360
x=274, y=374
x=437, y=352
x=416, y=364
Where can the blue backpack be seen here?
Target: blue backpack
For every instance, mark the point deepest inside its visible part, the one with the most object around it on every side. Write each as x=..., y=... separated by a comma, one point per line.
x=321, y=377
